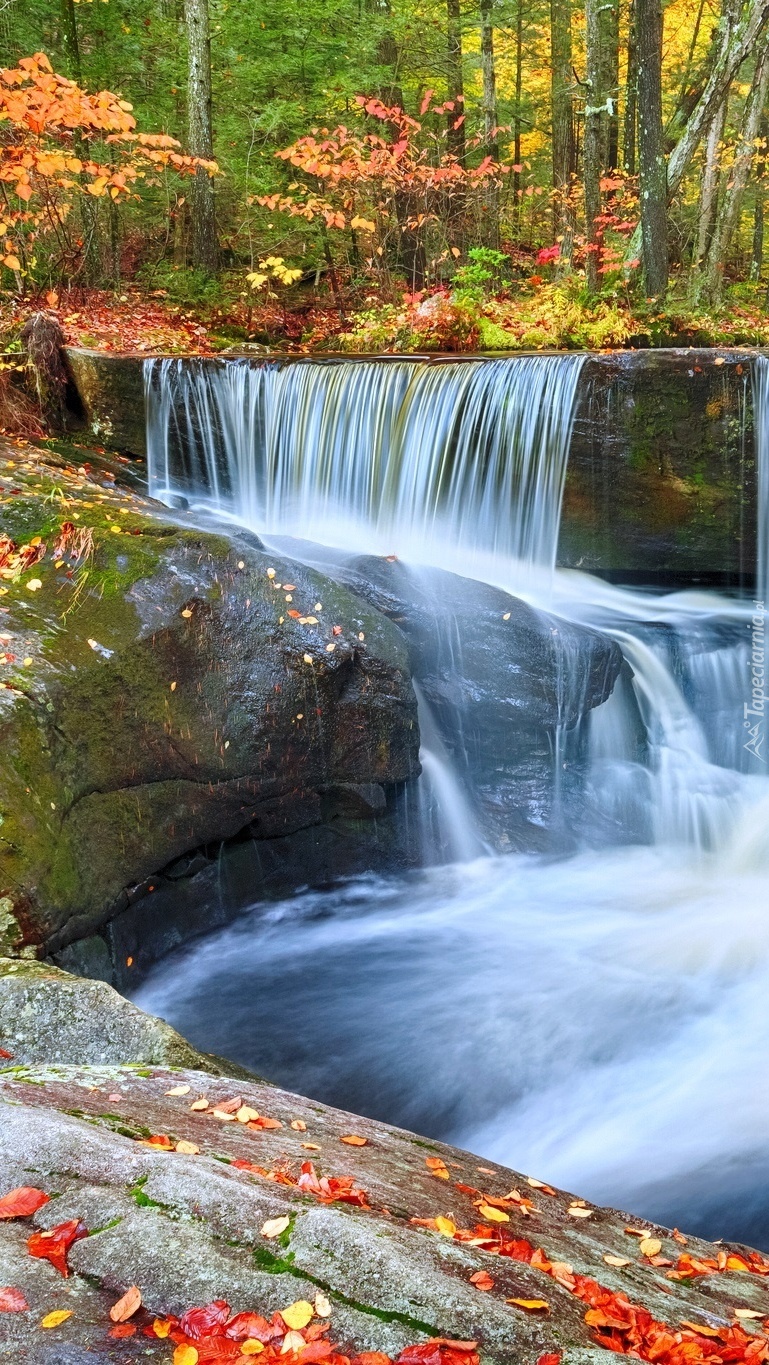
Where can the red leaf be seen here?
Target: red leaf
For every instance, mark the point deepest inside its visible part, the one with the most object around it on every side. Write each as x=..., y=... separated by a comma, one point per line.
x=123, y=1329
x=22, y=1202
x=199, y=1322
x=245, y=1325
x=12, y=1301
x=554, y=1358
x=482, y=1280
x=53, y=1245
x=4, y=1053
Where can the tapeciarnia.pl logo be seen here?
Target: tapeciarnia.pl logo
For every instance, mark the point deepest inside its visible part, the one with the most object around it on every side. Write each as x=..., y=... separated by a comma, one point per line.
x=754, y=711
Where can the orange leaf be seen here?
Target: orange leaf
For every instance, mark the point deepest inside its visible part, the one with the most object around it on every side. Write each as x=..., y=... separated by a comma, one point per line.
x=437, y=1167
x=531, y=1305
x=125, y=1308
x=482, y=1281
x=20, y=1203
x=353, y=1140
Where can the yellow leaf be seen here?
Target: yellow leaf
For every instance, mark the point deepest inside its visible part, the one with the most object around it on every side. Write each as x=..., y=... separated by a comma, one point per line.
x=531, y=1305
x=179, y=1090
x=187, y=1148
x=649, y=1246
x=251, y=1347
x=577, y=1211
x=699, y=1327
x=748, y=1313
x=493, y=1215
x=56, y=1318
x=199, y=1105
x=617, y=1260
x=12, y=262
x=297, y=1315
x=161, y=1327
x=245, y=1114
x=185, y=1355
x=445, y=1226
x=364, y=223
x=274, y=1226
x=187, y=614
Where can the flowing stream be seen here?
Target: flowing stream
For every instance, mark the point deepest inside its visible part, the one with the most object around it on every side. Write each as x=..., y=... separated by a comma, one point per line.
x=596, y=1018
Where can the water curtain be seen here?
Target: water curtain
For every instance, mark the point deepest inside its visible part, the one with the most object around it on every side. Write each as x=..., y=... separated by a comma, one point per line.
x=469, y=452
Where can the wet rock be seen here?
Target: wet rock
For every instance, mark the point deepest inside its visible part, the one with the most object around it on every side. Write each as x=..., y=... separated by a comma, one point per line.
x=49, y=1015
x=510, y=688
x=160, y=699
x=186, y=1228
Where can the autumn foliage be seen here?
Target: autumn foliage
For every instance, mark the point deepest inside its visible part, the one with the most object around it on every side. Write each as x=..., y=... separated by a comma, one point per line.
x=60, y=144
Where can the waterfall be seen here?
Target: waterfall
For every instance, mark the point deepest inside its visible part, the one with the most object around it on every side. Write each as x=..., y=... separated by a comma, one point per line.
x=414, y=455
x=760, y=374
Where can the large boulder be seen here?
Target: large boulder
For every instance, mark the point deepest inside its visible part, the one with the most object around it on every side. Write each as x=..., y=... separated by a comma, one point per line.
x=166, y=689
x=405, y=1241
x=509, y=687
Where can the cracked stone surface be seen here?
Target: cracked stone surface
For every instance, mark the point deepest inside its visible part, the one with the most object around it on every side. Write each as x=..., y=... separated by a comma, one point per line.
x=187, y=1228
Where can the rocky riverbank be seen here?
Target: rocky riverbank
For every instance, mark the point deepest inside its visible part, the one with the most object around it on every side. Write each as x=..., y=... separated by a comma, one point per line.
x=195, y=1188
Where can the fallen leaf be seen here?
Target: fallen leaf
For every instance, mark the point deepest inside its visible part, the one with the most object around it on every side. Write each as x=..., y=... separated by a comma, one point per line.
x=650, y=1246
x=617, y=1260
x=123, y=1329
x=34, y=584
x=185, y=1355
x=748, y=1313
x=179, y=1090
x=577, y=1211
x=127, y=1306
x=701, y=1328
x=161, y=1327
x=539, y=1185
x=187, y=1148
x=552, y=1358
x=56, y=1318
x=292, y=1341
x=446, y=1226
x=637, y=1232
x=12, y=1300
x=223, y=1116
x=531, y=1305
x=297, y=1315
x=251, y=1347
x=353, y=1140
x=161, y=1141
x=493, y=1215
x=274, y=1226
x=299, y=1125
x=322, y=1306
x=437, y=1167
x=311, y=1146
x=21, y=1202
x=245, y=1114
x=719, y=360
x=199, y=1105
x=54, y=1244
x=201, y=1322
x=482, y=1281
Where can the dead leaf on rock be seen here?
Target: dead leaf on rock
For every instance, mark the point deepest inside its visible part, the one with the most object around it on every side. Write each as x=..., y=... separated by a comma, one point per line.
x=482, y=1281
x=179, y=1090
x=650, y=1246
x=22, y=1202
x=437, y=1167
x=299, y=1125
x=297, y=1315
x=187, y=1148
x=127, y=1306
x=531, y=1305
x=12, y=1300
x=617, y=1260
x=274, y=1226
x=353, y=1140
x=322, y=1306
x=56, y=1318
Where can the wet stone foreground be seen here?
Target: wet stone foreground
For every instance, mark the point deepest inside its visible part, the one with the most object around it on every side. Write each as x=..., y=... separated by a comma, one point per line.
x=193, y=1225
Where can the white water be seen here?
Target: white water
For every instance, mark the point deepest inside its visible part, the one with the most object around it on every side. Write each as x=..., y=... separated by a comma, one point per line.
x=598, y=1021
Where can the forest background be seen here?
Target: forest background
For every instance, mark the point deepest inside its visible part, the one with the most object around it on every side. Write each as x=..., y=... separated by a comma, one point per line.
x=385, y=175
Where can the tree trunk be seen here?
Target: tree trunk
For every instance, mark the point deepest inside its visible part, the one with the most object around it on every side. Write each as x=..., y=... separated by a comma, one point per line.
x=631, y=96
x=88, y=208
x=563, y=112
x=710, y=180
x=595, y=108
x=205, y=250
x=609, y=59
x=651, y=148
x=455, y=136
x=731, y=204
x=757, y=252
x=517, y=110
x=490, y=136
x=737, y=42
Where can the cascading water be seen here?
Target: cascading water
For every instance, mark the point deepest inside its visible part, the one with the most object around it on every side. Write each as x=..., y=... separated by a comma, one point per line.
x=469, y=455
x=595, y=1019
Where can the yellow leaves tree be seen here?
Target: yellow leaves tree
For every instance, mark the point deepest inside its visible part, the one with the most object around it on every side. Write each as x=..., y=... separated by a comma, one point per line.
x=59, y=142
